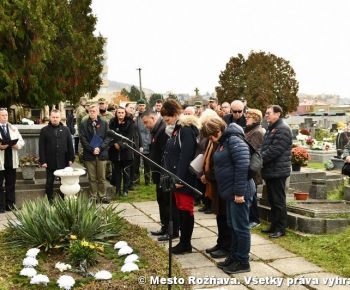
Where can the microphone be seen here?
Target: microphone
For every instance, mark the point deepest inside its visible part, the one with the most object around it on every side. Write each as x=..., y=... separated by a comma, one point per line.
x=111, y=133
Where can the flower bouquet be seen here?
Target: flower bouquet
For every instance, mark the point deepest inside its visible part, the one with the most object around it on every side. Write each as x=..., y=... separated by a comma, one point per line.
x=310, y=141
x=300, y=155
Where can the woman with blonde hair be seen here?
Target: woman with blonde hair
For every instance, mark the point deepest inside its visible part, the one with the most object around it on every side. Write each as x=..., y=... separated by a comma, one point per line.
x=223, y=243
x=254, y=134
x=231, y=168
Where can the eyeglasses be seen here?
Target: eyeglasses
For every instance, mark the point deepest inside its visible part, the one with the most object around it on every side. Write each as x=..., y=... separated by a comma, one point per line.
x=238, y=111
x=268, y=113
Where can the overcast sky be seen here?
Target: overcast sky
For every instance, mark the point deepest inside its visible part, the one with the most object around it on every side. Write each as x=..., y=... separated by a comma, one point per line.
x=184, y=44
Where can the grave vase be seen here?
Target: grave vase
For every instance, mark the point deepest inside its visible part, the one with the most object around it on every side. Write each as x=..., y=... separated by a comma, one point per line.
x=28, y=172
x=296, y=167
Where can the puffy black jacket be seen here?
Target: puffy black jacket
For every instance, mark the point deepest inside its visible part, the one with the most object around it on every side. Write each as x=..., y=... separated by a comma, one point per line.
x=86, y=133
x=231, y=165
x=127, y=129
x=55, y=146
x=276, y=151
x=241, y=121
x=177, y=158
x=156, y=149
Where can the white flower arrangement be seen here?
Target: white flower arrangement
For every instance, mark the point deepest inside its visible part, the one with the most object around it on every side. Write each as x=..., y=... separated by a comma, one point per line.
x=126, y=250
x=65, y=282
x=103, y=275
x=62, y=266
x=120, y=244
x=39, y=279
x=131, y=259
x=30, y=262
x=33, y=252
x=129, y=267
x=28, y=272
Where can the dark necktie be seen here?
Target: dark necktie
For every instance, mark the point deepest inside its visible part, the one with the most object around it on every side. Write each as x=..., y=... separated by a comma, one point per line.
x=4, y=129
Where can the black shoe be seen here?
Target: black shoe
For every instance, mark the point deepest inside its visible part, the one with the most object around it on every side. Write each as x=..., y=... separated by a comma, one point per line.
x=166, y=237
x=8, y=208
x=161, y=232
x=237, y=267
x=219, y=254
x=203, y=209
x=267, y=231
x=131, y=188
x=228, y=261
x=277, y=234
x=180, y=249
x=212, y=249
x=208, y=211
x=2, y=210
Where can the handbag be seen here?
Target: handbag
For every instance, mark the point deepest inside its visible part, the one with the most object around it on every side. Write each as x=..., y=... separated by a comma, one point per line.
x=196, y=165
x=346, y=169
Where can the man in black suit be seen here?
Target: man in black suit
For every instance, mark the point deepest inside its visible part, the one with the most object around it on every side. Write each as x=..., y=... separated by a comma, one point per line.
x=156, y=125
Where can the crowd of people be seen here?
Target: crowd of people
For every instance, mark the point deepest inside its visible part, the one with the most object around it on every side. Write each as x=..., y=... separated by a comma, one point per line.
x=172, y=136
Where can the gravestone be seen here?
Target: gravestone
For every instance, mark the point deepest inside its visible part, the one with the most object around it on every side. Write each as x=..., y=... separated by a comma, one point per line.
x=318, y=189
x=30, y=135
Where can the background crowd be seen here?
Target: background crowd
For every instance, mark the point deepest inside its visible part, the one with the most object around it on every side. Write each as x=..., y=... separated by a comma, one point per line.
x=221, y=136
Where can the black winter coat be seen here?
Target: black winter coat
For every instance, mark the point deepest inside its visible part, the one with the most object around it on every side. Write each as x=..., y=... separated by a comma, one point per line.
x=177, y=158
x=86, y=133
x=241, y=121
x=55, y=146
x=276, y=151
x=127, y=129
x=157, y=147
x=231, y=165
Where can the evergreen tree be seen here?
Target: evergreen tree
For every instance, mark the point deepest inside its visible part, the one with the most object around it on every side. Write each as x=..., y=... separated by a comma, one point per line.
x=48, y=52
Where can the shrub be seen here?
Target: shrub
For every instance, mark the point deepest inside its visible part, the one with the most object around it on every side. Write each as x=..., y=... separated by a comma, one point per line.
x=39, y=224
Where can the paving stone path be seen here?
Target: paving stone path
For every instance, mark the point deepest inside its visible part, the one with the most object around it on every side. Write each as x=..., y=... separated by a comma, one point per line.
x=276, y=267
x=272, y=267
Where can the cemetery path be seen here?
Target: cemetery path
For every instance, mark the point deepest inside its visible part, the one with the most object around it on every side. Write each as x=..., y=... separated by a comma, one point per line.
x=269, y=262
x=272, y=267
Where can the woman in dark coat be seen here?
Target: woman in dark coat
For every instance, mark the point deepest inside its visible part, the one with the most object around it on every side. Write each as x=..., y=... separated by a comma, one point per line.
x=179, y=152
x=231, y=167
x=254, y=134
x=120, y=155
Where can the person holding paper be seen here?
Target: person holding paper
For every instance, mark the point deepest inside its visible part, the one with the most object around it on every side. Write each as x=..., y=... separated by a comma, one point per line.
x=8, y=160
x=93, y=136
x=55, y=149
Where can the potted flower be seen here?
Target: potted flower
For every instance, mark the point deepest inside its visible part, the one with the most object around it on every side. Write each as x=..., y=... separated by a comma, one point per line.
x=28, y=164
x=310, y=141
x=300, y=156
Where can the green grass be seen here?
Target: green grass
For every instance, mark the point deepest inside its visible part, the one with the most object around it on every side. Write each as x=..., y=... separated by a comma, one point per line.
x=331, y=252
x=141, y=193
x=315, y=165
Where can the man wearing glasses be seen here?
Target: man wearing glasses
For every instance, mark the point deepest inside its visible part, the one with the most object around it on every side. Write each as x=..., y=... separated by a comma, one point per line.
x=237, y=115
x=276, y=155
x=8, y=160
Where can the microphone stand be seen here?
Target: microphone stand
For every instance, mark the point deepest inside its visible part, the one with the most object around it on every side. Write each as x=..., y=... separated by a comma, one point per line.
x=175, y=179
